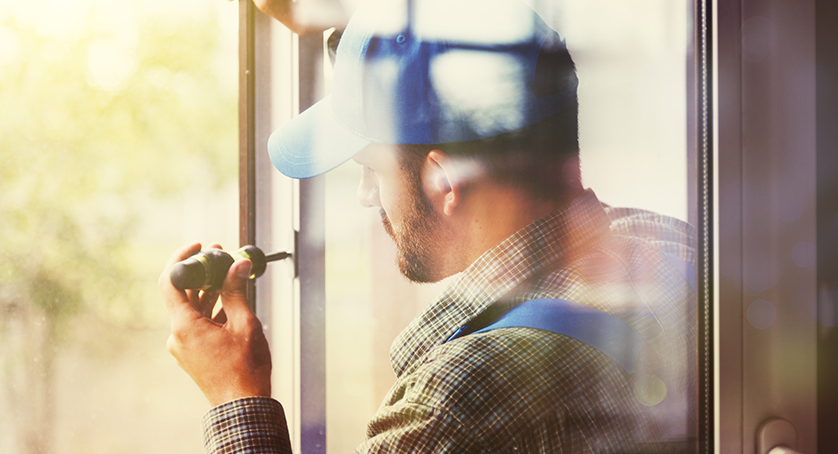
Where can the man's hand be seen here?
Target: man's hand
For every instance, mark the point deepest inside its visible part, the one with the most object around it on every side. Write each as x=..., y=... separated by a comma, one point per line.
x=305, y=16
x=228, y=356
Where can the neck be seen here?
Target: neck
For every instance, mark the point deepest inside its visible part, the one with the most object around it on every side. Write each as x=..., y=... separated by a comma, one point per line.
x=494, y=212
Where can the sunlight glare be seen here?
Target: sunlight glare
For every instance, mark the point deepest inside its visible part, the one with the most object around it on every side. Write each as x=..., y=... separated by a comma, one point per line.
x=9, y=46
x=109, y=64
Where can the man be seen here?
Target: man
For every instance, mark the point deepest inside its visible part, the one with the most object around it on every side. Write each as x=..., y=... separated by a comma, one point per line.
x=462, y=114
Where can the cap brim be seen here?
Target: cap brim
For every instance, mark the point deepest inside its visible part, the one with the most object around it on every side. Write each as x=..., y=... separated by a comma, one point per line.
x=313, y=143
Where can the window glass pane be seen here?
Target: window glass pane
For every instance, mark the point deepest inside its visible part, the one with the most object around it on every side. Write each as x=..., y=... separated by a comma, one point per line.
x=119, y=145
x=635, y=66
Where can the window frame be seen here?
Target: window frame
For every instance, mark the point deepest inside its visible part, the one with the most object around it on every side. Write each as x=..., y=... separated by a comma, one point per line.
x=727, y=349
x=752, y=124
x=295, y=327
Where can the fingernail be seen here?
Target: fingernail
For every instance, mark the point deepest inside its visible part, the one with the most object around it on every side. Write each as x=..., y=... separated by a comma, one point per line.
x=244, y=270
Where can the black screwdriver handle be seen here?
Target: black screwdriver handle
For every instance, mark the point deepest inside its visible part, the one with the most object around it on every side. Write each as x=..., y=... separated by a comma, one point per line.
x=207, y=269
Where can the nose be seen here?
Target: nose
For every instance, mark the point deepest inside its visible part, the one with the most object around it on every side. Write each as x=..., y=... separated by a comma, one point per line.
x=368, y=195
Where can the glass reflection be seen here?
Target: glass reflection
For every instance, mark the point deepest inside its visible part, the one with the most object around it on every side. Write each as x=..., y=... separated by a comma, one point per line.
x=632, y=136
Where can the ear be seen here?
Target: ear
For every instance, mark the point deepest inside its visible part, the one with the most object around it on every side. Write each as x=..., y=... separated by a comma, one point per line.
x=441, y=182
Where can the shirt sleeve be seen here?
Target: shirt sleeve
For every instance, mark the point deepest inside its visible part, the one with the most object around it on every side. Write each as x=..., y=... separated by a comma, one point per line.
x=418, y=428
x=247, y=426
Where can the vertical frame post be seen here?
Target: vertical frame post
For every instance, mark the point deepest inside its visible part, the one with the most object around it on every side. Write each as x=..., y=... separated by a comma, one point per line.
x=247, y=132
x=827, y=213
x=312, y=268
x=703, y=109
x=766, y=341
x=728, y=248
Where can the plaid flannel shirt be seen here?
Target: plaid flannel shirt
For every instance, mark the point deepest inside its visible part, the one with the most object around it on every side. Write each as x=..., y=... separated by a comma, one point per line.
x=522, y=389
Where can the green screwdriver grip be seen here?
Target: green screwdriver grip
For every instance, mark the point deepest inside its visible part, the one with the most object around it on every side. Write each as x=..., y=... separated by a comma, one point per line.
x=207, y=269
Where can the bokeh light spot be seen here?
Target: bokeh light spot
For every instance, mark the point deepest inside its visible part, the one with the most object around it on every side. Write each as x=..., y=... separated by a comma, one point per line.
x=108, y=65
x=761, y=314
x=761, y=272
x=649, y=390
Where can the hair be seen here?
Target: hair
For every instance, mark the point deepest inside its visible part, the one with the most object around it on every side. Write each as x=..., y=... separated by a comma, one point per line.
x=543, y=158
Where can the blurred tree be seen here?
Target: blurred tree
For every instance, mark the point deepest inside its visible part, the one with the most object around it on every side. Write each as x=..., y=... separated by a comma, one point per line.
x=96, y=128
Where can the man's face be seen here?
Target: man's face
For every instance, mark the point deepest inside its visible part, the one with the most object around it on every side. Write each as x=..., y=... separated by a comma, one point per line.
x=406, y=215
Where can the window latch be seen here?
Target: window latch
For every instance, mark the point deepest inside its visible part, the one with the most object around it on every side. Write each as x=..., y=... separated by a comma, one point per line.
x=777, y=436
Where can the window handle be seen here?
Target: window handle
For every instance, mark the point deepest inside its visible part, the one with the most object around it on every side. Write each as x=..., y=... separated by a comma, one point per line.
x=777, y=436
x=782, y=450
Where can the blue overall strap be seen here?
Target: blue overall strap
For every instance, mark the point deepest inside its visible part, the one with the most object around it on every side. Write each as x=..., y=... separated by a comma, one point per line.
x=600, y=330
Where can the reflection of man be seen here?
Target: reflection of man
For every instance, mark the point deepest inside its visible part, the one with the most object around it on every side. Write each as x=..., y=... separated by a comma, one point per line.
x=462, y=114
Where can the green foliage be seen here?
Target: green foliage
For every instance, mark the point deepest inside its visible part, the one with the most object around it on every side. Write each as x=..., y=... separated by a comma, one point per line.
x=96, y=128
x=108, y=115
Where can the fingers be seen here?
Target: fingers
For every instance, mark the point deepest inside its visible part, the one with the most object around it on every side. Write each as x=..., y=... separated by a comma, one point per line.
x=192, y=296
x=220, y=317
x=176, y=299
x=165, y=280
x=182, y=253
x=234, y=292
x=206, y=303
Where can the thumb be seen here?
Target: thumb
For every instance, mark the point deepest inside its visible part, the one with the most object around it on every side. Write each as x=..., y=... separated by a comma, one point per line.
x=234, y=290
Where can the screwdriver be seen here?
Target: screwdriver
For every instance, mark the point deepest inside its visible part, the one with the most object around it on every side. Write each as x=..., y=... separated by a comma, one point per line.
x=207, y=269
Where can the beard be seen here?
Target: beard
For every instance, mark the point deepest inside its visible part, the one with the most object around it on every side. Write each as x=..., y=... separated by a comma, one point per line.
x=418, y=240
